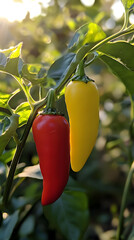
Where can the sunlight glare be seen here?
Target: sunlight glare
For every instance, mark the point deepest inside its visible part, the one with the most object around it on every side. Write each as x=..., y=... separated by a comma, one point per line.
x=110, y=23
x=32, y=7
x=13, y=11
x=131, y=18
x=88, y=3
x=117, y=10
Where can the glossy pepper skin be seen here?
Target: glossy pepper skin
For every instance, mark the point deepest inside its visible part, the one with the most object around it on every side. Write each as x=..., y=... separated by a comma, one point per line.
x=82, y=101
x=51, y=135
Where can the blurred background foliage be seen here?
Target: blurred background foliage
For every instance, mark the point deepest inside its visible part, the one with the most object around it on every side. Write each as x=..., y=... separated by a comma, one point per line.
x=45, y=38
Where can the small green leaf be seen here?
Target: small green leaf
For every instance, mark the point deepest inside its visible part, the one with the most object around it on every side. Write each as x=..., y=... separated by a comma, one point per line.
x=8, y=226
x=17, y=52
x=89, y=33
x=10, y=132
x=23, y=110
x=11, y=60
x=69, y=214
x=7, y=156
x=9, y=51
x=31, y=172
x=128, y=3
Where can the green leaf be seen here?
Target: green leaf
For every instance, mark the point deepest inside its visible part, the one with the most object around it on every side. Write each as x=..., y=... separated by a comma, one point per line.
x=32, y=172
x=122, y=51
x=23, y=110
x=8, y=226
x=7, y=156
x=9, y=51
x=12, y=67
x=128, y=3
x=121, y=71
x=34, y=73
x=69, y=214
x=59, y=66
x=16, y=53
x=10, y=60
x=10, y=132
x=89, y=33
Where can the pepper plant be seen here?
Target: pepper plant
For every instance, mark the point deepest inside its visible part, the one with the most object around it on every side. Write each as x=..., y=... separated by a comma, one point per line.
x=88, y=45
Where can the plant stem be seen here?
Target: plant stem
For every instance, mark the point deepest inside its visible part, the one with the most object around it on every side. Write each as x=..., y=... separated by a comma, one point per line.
x=128, y=30
x=28, y=95
x=26, y=91
x=23, y=216
x=40, y=92
x=126, y=18
x=80, y=69
x=16, y=185
x=123, y=203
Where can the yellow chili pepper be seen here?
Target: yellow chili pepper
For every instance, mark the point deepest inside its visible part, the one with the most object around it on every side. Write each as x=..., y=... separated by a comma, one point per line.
x=82, y=101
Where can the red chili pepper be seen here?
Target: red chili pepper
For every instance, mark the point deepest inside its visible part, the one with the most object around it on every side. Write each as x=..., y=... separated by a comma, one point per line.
x=51, y=135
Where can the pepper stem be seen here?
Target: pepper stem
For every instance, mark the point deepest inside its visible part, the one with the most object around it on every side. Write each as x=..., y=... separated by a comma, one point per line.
x=80, y=73
x=51, y=99
x=50, y=106
x=80, y=69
